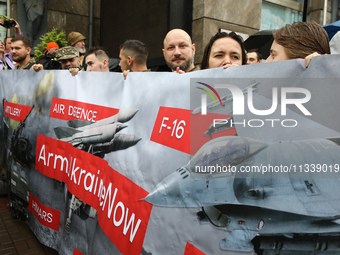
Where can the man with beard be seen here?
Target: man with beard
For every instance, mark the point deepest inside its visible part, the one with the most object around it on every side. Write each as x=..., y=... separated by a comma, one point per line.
x=179, y=51
x=21, y=50
x=77, y=40
x=69, y=58
x=8, y=40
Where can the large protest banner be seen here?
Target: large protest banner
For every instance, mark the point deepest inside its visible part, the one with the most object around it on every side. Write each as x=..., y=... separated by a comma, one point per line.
x=99, y=165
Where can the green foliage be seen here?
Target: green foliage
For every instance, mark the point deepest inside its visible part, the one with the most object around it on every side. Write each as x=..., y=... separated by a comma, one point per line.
x=52, y=36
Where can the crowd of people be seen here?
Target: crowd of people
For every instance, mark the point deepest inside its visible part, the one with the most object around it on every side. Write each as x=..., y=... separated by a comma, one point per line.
x=299, y=40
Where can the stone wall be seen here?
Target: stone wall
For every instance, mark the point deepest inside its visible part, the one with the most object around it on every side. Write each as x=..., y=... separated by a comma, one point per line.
x=139, y=20
x=315, y=11
x=68, y=16
x=209, y=16
x=148, y=21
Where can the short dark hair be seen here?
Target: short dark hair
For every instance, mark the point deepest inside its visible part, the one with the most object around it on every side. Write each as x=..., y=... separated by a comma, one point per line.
x=219, y=35
x=25, y=40
x=99, y=52
x=135, y=49
x=258, y=54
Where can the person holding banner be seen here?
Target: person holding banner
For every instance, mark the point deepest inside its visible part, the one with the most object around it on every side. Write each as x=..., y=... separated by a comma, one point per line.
x=97, y=60
x=299, y=40
x=179, y=51
x=224, y=50
x=69, y=58
x=133, y=57
x=21, y=52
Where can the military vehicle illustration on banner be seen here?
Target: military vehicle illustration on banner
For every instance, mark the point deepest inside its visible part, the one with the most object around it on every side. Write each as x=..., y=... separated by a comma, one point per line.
x=97, y=138
x=19, y=160
x=279, y=194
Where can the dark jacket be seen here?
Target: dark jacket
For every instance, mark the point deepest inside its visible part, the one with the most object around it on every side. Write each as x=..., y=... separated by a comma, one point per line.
x=49, y=62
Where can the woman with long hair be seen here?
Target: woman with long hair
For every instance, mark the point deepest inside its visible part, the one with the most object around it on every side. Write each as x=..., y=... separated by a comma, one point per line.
x=224, y=50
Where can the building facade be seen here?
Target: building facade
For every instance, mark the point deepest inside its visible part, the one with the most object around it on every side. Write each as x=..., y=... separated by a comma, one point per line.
x=110, y=22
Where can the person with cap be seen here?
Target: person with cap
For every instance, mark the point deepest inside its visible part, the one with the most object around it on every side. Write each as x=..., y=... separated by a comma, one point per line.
x=69, y=58
x=49, y=60
x=52, y=47
x=77, y=40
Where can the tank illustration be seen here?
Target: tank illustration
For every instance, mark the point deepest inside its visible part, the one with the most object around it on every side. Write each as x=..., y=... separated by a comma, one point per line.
x=97, y=138
x=19, y=160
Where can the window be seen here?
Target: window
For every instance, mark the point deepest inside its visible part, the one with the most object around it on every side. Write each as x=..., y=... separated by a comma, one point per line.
x=277, y=13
